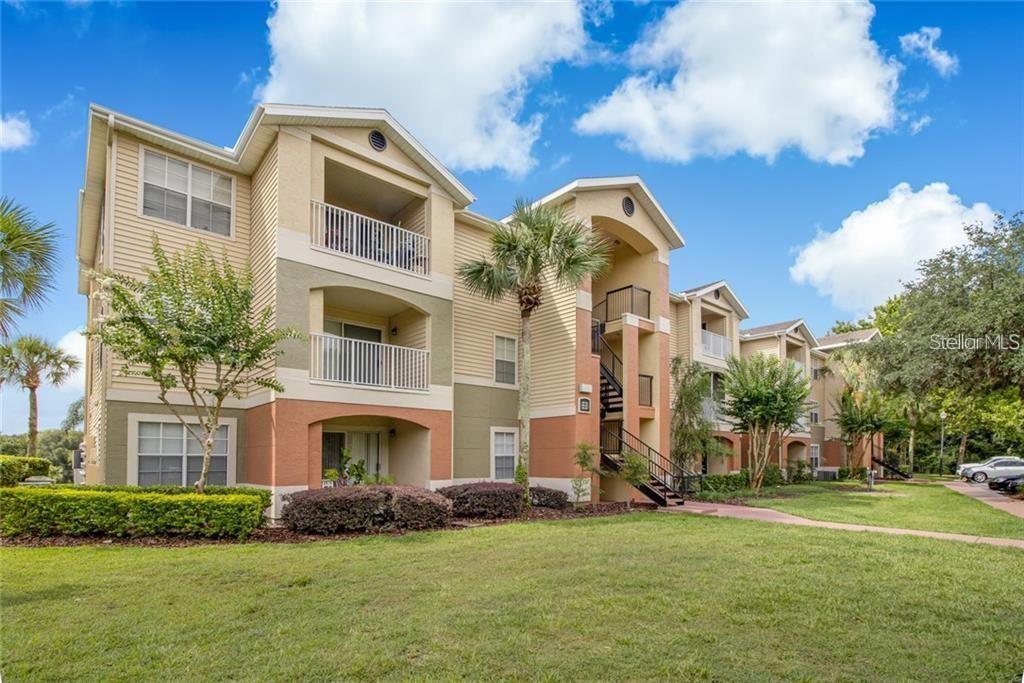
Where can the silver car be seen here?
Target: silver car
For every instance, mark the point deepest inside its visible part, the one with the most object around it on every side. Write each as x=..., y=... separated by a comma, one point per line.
x=994, y=467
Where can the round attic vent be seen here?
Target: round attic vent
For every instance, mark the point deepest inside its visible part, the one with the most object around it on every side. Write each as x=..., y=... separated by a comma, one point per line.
x=377, y=140
x=627, y=206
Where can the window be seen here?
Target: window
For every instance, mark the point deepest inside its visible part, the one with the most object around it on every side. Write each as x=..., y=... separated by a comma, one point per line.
x=182, y=193
x=170, y=455
x=504, y=360
x=503, y=449
x=815, y=456
x=815, y=416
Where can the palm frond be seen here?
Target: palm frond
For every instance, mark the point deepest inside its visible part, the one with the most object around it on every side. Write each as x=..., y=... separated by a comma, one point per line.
x=486, y=279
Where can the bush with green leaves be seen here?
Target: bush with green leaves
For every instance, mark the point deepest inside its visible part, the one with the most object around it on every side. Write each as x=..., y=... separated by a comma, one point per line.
x=723, y=483
x=485, y=499
x=14, y=469
x=799, y=473
x=856, y=473
x=67, y=511
x=366, y=509
x=544, y=497
x=264, y=495
x=773, y=476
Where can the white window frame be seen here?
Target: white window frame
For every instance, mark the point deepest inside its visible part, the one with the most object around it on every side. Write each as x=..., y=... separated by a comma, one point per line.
x=385, y=337
x=814, y=415
x=188, y=194
x=515, y=449
x=814, y=452
x=133, y=442
x=515, y=361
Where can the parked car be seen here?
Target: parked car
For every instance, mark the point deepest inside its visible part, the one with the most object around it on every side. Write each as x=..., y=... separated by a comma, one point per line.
x=996, y=468
x=1004, y=481
x=960, y=470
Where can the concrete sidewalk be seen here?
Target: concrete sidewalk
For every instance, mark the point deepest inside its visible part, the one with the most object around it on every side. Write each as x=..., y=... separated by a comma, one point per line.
x=982, y=492
x=769, y=515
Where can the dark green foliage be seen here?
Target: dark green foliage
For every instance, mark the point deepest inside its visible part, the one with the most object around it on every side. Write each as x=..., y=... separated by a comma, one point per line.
x=485, y=499
x=365, y=508
x=692, y=433
x=852, y=472
x=56, y=445
x=263, y=494
x=70, y=511
x=799, y=473
x=15, y=468
x=773, y=476
x=543, y=497
x=726, y=482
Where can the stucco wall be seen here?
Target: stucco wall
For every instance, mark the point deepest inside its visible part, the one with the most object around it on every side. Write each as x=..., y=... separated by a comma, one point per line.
x=477, y=409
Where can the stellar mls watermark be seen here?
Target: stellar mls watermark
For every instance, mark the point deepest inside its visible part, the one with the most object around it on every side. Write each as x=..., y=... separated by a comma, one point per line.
x=967, y=342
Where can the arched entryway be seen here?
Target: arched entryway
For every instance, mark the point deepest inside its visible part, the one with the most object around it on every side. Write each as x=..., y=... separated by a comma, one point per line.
x=796, y=451
x=723, y=465
x=389, y=448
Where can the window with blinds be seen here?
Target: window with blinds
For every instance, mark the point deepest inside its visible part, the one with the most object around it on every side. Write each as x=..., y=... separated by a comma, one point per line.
x=186, y=194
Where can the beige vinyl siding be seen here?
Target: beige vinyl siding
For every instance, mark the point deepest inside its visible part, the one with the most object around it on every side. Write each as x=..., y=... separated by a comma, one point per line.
x=680, y=342
x=412, y=329
x=263, y=242
x=477, y=320
x=769, y=345
x=413, y=217
x=133, y=234
x=553, y=350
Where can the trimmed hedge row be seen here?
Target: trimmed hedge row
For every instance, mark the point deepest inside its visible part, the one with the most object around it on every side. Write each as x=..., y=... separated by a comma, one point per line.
x=544, y=497
x=16, y=468
x=26, y=511
x=722, y=483
x=365, y=508
x=485, y=499
x=263, y=494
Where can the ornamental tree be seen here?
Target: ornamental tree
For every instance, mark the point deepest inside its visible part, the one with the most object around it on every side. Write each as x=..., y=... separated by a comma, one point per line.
x=692, y=433
x=190, y=327
x=765, y=397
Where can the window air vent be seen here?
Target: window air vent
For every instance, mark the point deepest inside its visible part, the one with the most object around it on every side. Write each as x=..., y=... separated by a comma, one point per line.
x=377, y=140
x=627, y=206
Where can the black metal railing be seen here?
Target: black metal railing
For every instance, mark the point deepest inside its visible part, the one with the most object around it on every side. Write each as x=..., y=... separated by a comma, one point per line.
x=611, y=363
x=596, y=330
x=662, y=469
x=618, y=302
x=646, y=395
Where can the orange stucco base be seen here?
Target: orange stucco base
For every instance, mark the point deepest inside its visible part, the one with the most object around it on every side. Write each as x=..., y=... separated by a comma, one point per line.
x=284, y=439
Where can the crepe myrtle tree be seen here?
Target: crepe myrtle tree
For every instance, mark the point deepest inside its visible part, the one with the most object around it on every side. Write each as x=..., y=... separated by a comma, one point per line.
x=765, y=397
x=190, y=326
x=540, y=247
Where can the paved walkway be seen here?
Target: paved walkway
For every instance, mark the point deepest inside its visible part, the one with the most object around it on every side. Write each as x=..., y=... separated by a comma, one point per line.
x=769, y=515
x=1015, y=506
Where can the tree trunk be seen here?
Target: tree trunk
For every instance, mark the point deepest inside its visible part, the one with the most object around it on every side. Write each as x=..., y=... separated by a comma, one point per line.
x=33, y=422
x=524, y=398
x=910, y=452
x=963, y=450
x=207, y=456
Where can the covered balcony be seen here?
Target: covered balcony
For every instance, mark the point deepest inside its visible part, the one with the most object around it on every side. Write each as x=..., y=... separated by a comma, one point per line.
x=367, y=219
x=618, y=302
x=379, y=343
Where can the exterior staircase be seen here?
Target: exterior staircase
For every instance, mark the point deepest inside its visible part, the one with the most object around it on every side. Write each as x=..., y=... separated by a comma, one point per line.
x=892, y=468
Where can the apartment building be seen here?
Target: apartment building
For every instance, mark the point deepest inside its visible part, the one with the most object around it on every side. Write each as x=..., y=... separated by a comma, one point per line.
x=354, y=232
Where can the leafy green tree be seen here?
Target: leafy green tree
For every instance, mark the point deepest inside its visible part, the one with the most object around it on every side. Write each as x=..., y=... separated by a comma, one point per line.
x=860, y=418
x=885, y=317
x=692, y=433
x=632, y=470
x=56, y=445
x=765, y=397
x=30, y=362
x=28, y=261
x=191, y=315
x=539, y=248
x=75, y=417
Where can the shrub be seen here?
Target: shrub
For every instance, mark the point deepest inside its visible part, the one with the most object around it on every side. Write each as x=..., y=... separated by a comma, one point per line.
x=485, y=499
x=773, y=476
x=800, y=473
x=853, y=472
x=15, y=468
x=263, y=494
x=82, y=512
x=723, y=483
x=543, y=497
x=364, y=508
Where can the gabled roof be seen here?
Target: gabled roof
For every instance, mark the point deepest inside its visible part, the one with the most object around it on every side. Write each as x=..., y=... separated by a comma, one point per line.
x=780, y=329
x=835, y=341
x=634, y=184
x=701, y=290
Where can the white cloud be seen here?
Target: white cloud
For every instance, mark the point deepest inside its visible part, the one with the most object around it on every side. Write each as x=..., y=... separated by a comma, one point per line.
x=755, y=78
x=455, y=74
x=53, y=402
x=74, y=343
x=919, y=124
x=921, y=43
x=16, y=131
x=862, y=263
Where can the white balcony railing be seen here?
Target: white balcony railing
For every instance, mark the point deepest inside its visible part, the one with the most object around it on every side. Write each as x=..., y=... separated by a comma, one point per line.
x=347, y=232
x=715, y=345
x=353, y=361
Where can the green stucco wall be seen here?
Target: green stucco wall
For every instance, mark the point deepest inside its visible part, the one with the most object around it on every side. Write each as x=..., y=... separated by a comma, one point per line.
x=477, y=409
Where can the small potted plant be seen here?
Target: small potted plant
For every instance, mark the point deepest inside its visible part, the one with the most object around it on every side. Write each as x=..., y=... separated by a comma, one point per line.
x=330, y=478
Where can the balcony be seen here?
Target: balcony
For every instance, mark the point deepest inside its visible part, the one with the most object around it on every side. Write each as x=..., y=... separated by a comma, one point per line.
x=356, y=362
x=711, y=410
x=342, y=231
x=618, y=302
x=715, y=345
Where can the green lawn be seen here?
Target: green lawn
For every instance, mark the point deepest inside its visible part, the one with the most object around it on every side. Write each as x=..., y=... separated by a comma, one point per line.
x=931, y=507
x=642, y=597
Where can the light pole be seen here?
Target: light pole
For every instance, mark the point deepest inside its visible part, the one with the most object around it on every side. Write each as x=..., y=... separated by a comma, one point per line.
x=942, y=439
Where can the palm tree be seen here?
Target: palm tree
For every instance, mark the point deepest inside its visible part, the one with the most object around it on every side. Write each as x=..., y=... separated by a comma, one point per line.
x=859, y=418
x=28, y=361
x=538, y=245
x=28, y=259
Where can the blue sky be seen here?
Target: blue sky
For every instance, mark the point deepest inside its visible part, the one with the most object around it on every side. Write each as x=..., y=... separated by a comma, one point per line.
x=746, y=170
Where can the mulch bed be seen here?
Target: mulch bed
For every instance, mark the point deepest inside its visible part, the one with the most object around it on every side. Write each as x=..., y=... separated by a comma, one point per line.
x=279, y=534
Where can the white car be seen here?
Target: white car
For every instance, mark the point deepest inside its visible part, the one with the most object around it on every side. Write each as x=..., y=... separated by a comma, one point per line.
x=971, y=465
x=997, y=467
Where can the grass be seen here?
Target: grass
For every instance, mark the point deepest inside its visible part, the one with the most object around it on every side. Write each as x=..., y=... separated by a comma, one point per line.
x=642, y=596
x=927, y=507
